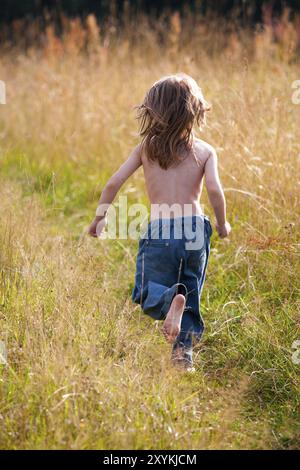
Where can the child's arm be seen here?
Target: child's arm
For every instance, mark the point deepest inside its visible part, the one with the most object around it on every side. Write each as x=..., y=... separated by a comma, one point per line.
x=216, y=194
x=112, y=187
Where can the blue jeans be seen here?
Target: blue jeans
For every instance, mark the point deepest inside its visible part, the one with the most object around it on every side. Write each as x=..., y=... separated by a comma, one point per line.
x=172, y=259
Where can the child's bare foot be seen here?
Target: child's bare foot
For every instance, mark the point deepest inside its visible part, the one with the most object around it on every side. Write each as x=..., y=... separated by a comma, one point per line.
x=172, y=323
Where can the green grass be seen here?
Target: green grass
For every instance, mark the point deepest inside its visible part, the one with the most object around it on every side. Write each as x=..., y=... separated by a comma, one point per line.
x=86, y=368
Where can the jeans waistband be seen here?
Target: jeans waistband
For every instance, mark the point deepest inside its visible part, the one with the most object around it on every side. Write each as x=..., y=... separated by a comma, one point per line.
x=157, y=227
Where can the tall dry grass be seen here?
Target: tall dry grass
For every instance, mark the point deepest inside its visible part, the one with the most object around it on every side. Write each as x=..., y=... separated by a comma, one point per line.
x=85, y=368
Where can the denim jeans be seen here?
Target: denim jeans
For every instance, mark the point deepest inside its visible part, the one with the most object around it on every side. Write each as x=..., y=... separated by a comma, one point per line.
x=172, y=258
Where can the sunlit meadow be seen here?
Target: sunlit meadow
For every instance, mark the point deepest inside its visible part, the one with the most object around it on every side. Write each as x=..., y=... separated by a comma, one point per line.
x=85, y=368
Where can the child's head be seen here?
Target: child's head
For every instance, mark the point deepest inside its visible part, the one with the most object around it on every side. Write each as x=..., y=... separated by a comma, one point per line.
x=171, y=108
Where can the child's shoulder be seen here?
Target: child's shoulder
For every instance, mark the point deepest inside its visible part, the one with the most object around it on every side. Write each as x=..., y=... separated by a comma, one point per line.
x=203, y=149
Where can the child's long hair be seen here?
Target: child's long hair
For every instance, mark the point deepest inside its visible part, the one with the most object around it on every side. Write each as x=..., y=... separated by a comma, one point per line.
x=167, y=115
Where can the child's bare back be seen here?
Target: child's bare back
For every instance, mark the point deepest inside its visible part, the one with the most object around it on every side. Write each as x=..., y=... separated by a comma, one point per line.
x=179, y=187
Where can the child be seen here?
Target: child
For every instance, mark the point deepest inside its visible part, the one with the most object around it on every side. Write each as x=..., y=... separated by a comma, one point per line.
x=170, y=269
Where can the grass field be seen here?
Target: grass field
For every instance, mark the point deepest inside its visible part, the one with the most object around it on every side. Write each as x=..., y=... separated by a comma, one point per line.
x=86, y=368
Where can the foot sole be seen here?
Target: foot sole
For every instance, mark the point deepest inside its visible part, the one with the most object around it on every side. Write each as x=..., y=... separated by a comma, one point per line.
x=172, y=323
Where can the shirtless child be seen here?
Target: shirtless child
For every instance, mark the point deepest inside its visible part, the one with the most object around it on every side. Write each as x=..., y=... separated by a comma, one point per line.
x=174, y=250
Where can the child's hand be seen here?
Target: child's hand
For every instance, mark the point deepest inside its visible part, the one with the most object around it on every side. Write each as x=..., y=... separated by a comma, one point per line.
x=223, y=230
x=97, y=226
